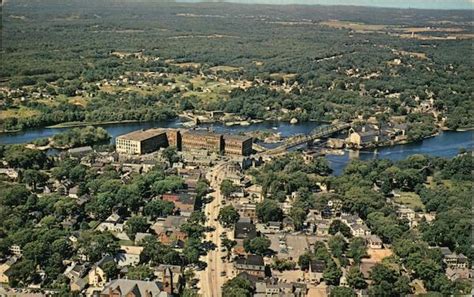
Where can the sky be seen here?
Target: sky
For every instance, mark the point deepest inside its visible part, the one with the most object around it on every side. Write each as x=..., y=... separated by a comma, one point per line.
x=422, y=4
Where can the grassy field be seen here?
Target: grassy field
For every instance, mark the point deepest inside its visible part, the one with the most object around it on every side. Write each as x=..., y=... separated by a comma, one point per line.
x=410, y=199
x=21, y=112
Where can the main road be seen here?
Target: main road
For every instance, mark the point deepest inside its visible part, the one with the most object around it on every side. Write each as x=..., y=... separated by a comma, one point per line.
x=211, y=278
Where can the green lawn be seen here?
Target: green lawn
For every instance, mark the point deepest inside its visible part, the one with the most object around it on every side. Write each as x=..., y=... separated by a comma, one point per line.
x=410, y=199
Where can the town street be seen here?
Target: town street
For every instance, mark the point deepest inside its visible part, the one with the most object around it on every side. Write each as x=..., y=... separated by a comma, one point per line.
x=211, y=280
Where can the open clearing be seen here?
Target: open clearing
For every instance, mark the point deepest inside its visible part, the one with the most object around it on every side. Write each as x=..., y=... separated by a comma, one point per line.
x=378, y=255
x=22, y=112
x=410, y=199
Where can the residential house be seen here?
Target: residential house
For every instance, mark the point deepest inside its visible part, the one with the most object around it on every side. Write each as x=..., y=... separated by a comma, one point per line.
x=5, y=267
x=255, y=192
x=322, y=228
x=242, y=231
x=457, y=273
x=134, y=288
x=247, y=210
x=10, y=172
x=454, y=260
x=163, y=272
x=316, y=269
x=77, y=274
x=128, y=255
x=356, y=224
x=15, y=250
x=139, y=237
x=97, y=276
x=360, y=230
x=252, y=264
x=114, y=223
x=374, y=242
x=184, y=202
x=169, y=230
x=274, y=227
x=406, y=213
x=273, y=288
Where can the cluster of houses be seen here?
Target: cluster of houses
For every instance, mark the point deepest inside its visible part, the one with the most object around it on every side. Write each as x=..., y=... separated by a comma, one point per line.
x=289, y=244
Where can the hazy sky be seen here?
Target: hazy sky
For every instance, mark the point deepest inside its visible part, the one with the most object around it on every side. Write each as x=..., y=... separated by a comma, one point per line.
x=424, y=4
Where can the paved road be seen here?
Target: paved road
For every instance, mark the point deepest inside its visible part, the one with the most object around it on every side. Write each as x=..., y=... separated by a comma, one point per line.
x=211, y=279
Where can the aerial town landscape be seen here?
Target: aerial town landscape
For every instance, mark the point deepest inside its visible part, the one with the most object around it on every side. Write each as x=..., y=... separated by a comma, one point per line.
x=166, y=148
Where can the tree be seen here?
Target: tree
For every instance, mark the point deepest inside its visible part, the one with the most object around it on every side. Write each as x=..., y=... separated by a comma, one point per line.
x=257, y=245
x=357, y=249
x=34, y=178
x=229, y=245
x=111, y=270
x=228, y=216
x=170, y=155
x=283, y=264
x=388, y=282
x=269, y=210
x=338, y=245
x=305, y=260
x=227, y=187
x=18, y=156
x=94, y=244
x=136, y=224
x=338, y=226
x=355, y=278
x=237, y=287
x=22, y=272
x=158, y=208
x=320, y=166
x=14, y=195
x=170, y=183
x=298, y=215
x=140, y=272
x=342, y=292
x=332, y=274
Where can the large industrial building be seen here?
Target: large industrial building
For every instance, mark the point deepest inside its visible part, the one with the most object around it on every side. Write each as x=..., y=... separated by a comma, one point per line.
x=195, y=140
x=237, y=145
x=174, y=138
x=147, y=141
x=141, y=142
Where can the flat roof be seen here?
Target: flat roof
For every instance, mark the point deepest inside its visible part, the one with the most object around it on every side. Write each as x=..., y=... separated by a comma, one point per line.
x=202, y=133
x=142, y=134
x=234, y=137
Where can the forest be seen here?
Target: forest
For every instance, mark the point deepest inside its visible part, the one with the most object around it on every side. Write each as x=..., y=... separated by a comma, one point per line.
x=77, y=62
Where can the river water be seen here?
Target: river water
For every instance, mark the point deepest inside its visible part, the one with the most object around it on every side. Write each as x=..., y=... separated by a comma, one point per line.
x=446, y=144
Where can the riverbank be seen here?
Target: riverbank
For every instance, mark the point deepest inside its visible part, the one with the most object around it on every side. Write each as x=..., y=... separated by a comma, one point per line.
x=84, y=124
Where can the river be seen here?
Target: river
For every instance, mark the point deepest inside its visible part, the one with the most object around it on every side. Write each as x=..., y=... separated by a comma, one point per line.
x=446, y=144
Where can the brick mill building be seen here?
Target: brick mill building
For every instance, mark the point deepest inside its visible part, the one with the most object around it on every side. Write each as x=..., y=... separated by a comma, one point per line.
x=195, y=140
x=141, y=142
x=237, y=145
x=147, y=141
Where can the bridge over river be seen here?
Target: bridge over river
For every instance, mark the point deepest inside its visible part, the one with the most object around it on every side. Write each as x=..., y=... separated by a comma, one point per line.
x=320, y=132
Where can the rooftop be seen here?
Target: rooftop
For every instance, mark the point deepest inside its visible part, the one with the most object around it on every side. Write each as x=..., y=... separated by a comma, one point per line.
x=251, y=260
x=141, y=135
x=140, y=288
x=233, y=137
x=202, y=133
x=244, y=230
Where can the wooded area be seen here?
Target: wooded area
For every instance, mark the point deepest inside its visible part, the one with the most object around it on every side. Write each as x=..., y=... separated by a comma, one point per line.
x=76, y=62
